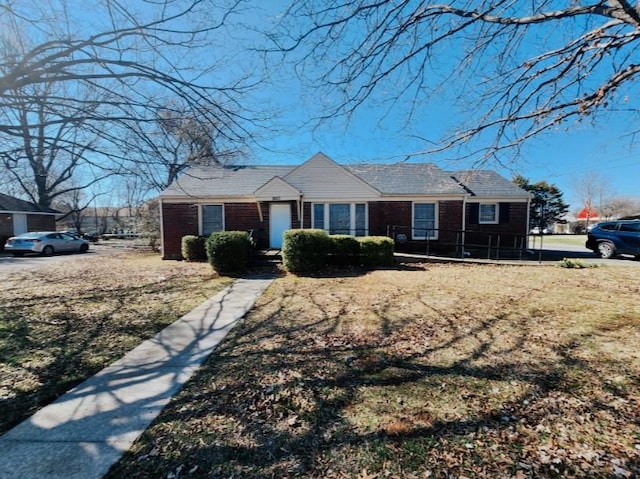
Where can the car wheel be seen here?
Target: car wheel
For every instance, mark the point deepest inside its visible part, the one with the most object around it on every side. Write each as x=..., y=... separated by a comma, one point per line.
x=47, y=250
x=606, y=249
x=84, y=248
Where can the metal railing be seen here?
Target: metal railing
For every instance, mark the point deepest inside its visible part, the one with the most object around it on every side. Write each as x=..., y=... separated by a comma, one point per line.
x=458, y=243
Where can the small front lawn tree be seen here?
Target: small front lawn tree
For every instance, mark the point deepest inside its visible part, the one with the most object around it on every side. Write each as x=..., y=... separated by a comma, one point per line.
x=547, y=206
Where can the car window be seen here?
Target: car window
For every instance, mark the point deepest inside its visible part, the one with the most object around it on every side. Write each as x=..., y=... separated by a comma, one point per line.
x=54, y=236
x=609, y=226
x=68, y=236
x=635, y=227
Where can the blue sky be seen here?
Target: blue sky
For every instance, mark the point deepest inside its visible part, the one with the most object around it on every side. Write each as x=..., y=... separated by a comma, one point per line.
x=602, y=147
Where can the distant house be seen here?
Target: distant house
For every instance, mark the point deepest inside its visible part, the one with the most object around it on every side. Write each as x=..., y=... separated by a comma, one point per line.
x=408, y=201
x=19, y=216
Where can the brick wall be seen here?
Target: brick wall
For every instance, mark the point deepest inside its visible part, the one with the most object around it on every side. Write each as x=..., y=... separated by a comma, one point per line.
x=508, y=233
x=41, y=222
x=389, y=213
x=178, y=220
x=6, y=225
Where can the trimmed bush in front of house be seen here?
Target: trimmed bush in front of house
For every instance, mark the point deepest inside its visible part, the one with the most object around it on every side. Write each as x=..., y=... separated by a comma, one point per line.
x=193, y=248
x=305, y=251
x=376, y=251
x=344, y=250
x=229, y=251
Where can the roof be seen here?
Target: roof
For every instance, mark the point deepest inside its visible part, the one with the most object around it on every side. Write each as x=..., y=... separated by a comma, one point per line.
x=407, y=178
x=388, y=179
x=487, y=183
x=588, y=212
x=15, y=205
x=224, y=181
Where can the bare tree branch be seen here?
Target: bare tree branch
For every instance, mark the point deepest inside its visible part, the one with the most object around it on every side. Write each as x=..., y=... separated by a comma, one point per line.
x=521, y=68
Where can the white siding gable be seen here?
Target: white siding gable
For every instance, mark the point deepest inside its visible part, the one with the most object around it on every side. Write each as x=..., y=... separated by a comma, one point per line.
x=277, y=189
x=320, y=178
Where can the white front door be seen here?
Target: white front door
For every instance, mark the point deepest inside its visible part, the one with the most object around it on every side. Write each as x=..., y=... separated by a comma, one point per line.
x=19, y=223
x=279, y=222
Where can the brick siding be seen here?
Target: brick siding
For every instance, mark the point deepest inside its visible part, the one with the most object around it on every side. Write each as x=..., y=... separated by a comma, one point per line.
x=41, y=222
x=6, y=225
x=178, y=220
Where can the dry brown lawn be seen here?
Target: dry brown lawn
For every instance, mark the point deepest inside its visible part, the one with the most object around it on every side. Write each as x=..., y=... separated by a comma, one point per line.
x=438, y=371
x=63, y=323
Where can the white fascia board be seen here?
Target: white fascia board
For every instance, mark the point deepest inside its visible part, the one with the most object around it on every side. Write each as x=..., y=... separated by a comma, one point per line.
x=30, y=213
x=423, y=197
x=204, y=200
x=498, y=199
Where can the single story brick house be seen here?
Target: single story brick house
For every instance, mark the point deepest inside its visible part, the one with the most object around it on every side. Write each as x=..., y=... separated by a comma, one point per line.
x=18, y=216
x=411, y=201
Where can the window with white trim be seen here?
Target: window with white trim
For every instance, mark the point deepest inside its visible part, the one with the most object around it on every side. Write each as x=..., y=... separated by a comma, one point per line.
x=212, y=219
x=340, y=218
x=424, y=221
x=488, y=213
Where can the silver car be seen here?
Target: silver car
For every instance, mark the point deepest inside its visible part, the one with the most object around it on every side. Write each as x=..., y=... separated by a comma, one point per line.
x=45, y=243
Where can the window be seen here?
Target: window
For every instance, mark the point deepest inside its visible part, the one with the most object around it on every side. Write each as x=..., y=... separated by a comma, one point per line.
x=488, y=213
x=318, y=216
x=361, y=219
x=340, y=218
x=424, y=221
x=634, y=227
x=211, y=219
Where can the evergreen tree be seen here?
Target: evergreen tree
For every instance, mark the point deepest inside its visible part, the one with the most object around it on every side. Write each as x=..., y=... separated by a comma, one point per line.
x=547, y=206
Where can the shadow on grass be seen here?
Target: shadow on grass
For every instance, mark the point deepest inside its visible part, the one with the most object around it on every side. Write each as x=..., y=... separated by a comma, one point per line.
x=45, y=353
x=295, y=396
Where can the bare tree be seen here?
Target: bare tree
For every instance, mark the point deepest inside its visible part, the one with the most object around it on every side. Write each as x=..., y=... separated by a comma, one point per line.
x=166, y=148
x=593, y=190
x=521, y=68
x=78, y=88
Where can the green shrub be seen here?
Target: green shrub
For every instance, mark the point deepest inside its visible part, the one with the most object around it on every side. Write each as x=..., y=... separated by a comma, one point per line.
x=229, y=251
x=376, y=251
x=343, y=250
x=193, y=248
x=305, y=251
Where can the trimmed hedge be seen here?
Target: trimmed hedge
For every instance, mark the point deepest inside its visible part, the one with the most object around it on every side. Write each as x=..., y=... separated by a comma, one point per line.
x=343, y=250
x=229, y=251
x=376, y=251
x=305, y=251
x=193, y=248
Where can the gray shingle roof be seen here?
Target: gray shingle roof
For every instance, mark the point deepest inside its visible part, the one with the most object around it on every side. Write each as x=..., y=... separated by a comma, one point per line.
x=488, y=183
x=205, y=181
x=407, y=179
x=9, y=203
x=393, y=179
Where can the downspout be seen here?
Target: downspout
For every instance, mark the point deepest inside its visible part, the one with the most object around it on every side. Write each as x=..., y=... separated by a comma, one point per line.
x=464, y=222
x=161, y=228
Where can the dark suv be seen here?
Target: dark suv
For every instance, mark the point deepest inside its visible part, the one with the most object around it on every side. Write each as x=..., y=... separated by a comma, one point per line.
x=615, y=237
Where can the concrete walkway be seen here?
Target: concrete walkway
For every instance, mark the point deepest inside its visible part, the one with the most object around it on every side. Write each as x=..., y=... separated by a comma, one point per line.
x=84, y=432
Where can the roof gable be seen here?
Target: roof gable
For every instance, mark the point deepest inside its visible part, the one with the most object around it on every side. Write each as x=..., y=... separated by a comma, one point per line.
x=320, y=177
x=277, y=188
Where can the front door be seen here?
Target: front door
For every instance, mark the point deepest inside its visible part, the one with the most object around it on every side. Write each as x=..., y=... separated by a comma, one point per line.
x=279, y=222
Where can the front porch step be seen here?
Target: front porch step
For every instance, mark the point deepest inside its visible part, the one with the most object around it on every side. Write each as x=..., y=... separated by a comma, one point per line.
x=267, y=256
